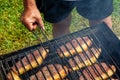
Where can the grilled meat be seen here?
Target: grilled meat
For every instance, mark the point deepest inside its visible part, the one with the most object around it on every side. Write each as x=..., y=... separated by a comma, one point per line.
x=74, y=47
x=99, y=72
x=51, y=72
x=85, y=59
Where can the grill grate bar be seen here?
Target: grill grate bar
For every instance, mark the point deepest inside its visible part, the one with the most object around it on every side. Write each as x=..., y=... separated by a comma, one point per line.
x=54, y=58
x=62, y=53
x=22, y=66
x=85, y=54
x=1, y=76
x=91, y=52
x=94, y=68
x=31, y=51
x=58, y=72
x=12, y=59
x=105, y=52
x=28, y=60
x=9, y=69
x=58, y=55
x=42, y=58
x=109, y=57
x=49, y=44
x=104, y=58
x=80, y=56
x=3, y=70
x=108, y=65
x=36, y=61
x=50, y=72
x=42, y=73
x=45, y=49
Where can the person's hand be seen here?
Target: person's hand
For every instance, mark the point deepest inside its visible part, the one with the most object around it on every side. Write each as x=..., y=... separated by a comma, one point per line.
x=31, y=17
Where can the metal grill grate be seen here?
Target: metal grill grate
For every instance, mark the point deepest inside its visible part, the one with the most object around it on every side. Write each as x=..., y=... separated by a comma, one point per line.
x=103, y=41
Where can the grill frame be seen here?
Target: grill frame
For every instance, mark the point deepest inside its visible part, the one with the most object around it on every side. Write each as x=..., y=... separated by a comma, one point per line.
x=111, y=38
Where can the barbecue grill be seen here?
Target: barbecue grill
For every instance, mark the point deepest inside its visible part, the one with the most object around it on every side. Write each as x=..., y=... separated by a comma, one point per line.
x=100, y=35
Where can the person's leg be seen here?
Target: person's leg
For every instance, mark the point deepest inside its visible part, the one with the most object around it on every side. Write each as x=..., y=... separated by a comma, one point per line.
x=107, y=20
x=61, y=28
x=58, y=15
x=90, y=10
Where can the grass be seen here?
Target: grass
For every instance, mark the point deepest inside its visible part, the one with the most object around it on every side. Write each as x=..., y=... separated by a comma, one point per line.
x=116, y=18
x=14, y=36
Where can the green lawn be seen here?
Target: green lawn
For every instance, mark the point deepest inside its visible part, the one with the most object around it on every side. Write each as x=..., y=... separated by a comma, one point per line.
x=14, y=36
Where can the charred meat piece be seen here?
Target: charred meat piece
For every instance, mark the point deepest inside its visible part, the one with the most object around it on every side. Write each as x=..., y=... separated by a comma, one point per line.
x=73, y=47
x=12, y=76
x=30, y=61
x=100, y=71
x=84, y=59
x=51, y=72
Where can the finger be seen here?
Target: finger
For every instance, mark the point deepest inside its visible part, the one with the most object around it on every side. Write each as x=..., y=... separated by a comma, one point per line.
x=35, y=25
x=26, y=24
x=29, y=25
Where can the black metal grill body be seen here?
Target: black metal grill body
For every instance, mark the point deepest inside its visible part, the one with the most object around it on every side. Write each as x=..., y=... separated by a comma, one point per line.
x=102, y=37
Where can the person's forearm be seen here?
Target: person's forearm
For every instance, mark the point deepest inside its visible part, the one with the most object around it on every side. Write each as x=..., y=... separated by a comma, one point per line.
x=29, y=4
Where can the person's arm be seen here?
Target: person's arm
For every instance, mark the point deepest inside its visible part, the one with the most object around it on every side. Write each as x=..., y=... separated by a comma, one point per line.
x=29, y=3
x=31, y=16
